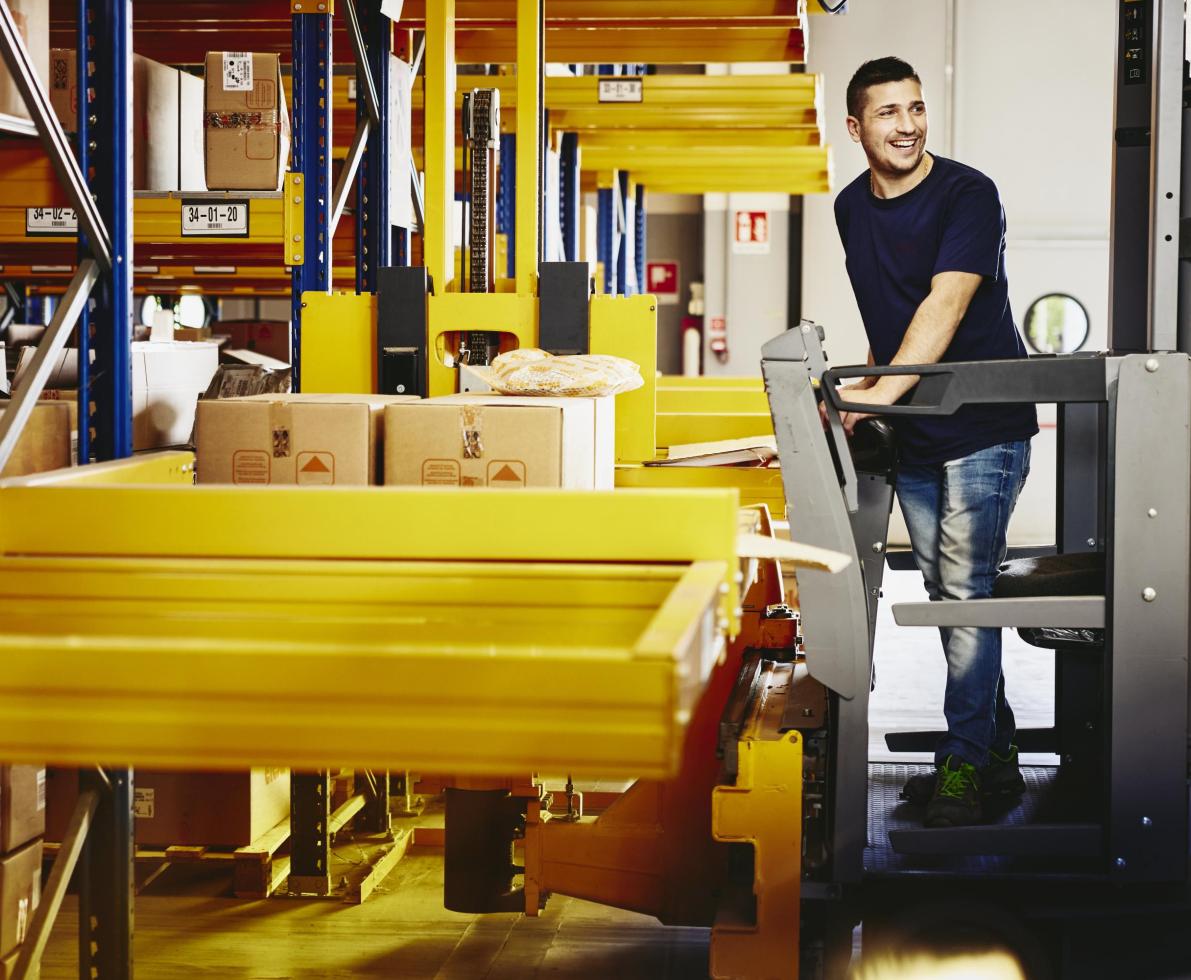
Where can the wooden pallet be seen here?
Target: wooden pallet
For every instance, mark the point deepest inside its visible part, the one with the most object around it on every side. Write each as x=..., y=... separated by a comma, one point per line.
x=261, y=869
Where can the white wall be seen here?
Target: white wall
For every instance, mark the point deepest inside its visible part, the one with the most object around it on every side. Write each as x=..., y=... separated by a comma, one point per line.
x=1031, y=106
x=751, y=291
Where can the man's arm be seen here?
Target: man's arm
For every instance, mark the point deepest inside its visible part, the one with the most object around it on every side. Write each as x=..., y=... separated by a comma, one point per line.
x=926, y=340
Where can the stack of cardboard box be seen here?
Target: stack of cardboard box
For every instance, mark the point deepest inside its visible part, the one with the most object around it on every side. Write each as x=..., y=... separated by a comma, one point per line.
x=227, y=131
x=167, y=120
x=22, y=823
x=397, y=440
x=185, y=809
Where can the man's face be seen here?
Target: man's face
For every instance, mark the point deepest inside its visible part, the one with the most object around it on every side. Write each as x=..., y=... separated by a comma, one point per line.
x=892, y=127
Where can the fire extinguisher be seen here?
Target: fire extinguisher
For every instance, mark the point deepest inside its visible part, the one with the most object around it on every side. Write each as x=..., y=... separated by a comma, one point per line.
x=692, y=333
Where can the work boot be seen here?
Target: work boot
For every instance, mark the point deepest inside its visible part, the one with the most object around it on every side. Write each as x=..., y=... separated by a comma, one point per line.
x=956, y=799
x=1000, y=779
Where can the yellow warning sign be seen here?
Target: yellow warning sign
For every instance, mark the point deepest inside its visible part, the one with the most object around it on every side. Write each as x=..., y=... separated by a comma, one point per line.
x=315, y=469
x=506, y=473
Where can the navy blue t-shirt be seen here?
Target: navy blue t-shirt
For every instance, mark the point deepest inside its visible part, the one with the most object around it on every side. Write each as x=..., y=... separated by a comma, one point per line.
x=950, y=222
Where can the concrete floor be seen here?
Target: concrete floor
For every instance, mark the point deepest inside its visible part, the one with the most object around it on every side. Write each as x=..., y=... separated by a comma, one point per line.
x=185, y=926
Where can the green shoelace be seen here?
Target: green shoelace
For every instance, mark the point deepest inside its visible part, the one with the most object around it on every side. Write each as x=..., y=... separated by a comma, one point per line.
x=955, y=782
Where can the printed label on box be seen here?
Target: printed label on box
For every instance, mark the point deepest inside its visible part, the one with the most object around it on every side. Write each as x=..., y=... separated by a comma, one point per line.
x=315, y=469
x=237, y=71
x=143, y=803
x=506, y=473
x=250, y=466
x=40, y=789
x=440, y=473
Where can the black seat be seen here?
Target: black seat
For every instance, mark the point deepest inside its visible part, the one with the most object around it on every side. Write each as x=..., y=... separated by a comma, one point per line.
x=1054, y=575
x=874, y=447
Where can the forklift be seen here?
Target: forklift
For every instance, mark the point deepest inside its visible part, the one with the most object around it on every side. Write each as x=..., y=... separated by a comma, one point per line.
x=1085, y=876
x=1088, y=874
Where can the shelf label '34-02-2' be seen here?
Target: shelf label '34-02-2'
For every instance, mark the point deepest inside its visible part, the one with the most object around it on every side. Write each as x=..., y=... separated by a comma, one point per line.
x=215, y=219
x=51, y=221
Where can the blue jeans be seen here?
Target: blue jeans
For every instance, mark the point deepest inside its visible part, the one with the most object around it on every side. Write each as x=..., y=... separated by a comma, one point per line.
x=957, y=513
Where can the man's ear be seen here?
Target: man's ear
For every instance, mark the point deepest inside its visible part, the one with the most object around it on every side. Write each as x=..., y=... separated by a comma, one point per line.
x=854, y=128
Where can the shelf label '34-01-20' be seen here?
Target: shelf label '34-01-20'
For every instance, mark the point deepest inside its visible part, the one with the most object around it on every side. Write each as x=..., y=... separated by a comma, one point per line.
x=215, y=219
x=51, y=221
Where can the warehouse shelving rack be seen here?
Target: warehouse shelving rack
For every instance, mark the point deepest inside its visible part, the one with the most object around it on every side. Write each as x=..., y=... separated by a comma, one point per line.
x=97, y=182
x=101, y=183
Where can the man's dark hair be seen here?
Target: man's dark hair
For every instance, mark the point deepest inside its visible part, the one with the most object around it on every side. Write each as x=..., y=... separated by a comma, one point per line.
x=877, y=72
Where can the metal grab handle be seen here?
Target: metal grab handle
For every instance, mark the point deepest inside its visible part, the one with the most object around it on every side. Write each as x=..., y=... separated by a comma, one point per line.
x=833, y=375
x=943, y=388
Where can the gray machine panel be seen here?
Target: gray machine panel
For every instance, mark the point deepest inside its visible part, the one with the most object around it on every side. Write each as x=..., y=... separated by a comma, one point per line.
x=1150, y=422
x=1067, y=612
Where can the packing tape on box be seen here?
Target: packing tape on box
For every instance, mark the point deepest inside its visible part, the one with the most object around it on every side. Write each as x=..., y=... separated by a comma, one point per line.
x=471, y=425
x=255, y=120
x=280, y=423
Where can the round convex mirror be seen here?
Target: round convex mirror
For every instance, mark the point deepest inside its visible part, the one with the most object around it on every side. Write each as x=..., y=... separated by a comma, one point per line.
x=1057, y=324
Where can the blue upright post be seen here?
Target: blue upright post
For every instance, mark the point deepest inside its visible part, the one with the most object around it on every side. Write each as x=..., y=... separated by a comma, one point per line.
x=374, y=226
x=310, y=791
x=311, y=159
x=107, y=155
x=506, y=198
x=34, y=311
x=83, y=330
x=106, y=872
x=639, y=248
x=568, y=179
x=624, y=287
x=605, y=226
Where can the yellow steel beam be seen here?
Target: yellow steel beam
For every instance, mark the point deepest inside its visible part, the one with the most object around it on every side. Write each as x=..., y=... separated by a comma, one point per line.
x=708, y=158
x=726, y=182
x=708, y=381
x=626, y=11
x=528, y=107
x=672, y=101
x=148, y=468
x=717, y=400
x=385, y=523
x=438, y=250
x=183, y=678
x=156, y=219
x=681, y=428
x=658, y=138
x=756, y=485
x=644, y=42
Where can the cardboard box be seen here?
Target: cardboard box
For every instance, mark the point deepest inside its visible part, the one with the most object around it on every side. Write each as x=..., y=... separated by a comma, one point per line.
x=217, y=809
x=192, y=174
x=270, y=337
x=154, y=126
x=156, y=107
x=43, y=446
x=20, y=894
x=501, y=441
x=247, y=132
x=22, y=805
x=33, y=22
x=64, y=87
x=167, y=379
x=307, y=440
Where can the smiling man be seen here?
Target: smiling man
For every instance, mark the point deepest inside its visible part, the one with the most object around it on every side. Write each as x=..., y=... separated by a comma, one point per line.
x=925, y=244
